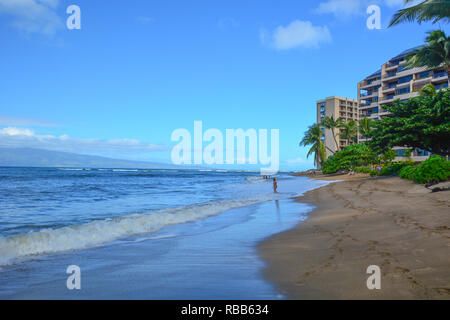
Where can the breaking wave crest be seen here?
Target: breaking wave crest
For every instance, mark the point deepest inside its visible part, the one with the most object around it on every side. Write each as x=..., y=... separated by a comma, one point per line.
x=99, y=232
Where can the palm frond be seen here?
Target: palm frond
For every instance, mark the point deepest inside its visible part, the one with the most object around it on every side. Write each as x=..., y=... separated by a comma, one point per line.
x=428, y=10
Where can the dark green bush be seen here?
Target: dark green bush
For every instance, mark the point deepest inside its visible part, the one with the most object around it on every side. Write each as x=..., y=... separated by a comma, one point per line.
x=363, y=169
x=408, y=172
x=352, y=156
x=435, y=169
x=395, y=168
x=374, y=173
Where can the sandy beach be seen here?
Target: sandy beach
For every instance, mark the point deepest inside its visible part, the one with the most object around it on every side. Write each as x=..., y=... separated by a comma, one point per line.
x=395, y=224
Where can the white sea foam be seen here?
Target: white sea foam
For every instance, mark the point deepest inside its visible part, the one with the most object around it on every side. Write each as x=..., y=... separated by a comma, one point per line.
x=99, y=232
x=256, y=179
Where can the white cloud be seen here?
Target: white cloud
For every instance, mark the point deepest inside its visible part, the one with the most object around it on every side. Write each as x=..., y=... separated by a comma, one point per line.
x=33, y=16
x=297, y=34
x=26, y=138
x=21, y=122
x=16, y=132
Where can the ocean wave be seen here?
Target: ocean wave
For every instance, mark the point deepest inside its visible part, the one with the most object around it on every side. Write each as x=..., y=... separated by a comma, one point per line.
x=256, y=179
x=100, y=232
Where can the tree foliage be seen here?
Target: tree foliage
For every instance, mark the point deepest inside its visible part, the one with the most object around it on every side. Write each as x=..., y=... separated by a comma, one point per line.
x=350, y=157
x=365, y=127
x=428, y=10
x=313, y=137
x=349, y=131
x=433, y=170
x=434, y=53
x=421, y=122
x=332, y=124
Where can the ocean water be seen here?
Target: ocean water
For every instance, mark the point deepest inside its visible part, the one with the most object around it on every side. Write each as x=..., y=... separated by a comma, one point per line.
x=124, y=227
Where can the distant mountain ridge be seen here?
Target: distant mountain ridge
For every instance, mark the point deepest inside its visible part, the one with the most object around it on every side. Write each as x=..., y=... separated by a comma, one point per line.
x=29, y=157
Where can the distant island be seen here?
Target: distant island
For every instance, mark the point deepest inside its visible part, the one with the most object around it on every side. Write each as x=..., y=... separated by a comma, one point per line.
x=29, y=157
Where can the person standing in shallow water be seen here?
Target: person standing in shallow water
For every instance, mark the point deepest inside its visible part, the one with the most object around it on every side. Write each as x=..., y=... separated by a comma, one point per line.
x=275, y=185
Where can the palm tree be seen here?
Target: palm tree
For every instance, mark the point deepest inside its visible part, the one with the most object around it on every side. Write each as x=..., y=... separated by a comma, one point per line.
x=428, y=91
x=331, y=124
x=365, y=127
x=349, y=131
x=434, y=53
x=313, y=137
x=428, y=10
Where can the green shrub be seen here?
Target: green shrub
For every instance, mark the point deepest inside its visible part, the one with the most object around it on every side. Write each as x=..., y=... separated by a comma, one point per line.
x=352, y=156
x=395, y=168
x=374, y=173
x=435, y=169
x=408, y=172
x=363, y=169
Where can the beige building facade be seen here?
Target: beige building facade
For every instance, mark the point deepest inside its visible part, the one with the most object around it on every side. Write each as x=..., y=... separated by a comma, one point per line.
x=336, y=107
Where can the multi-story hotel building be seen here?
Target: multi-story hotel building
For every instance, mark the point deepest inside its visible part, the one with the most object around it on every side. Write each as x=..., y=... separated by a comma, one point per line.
x=336, y=107
x=395, y=81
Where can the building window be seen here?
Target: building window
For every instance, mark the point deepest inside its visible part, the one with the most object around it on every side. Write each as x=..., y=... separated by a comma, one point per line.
x=440, y=74
x=405, y=79
x=422, y=153
x=403, y=90
x=424, y=75
x=390, y=74
x=392, y=85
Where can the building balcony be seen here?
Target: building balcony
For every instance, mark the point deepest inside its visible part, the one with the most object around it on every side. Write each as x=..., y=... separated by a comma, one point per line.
x=423, y=80
x=391, y=76
x=390, y=67
x=389, y=89
x=439, y=77
x=369, y=105
x=404, y=96
x=372, y=84
x=371, y=95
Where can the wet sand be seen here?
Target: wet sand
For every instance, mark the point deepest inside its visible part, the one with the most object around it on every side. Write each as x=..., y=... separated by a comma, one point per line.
x=395, y=224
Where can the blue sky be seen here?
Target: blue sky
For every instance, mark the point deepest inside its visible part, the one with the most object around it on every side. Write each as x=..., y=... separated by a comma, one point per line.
x=138, y=70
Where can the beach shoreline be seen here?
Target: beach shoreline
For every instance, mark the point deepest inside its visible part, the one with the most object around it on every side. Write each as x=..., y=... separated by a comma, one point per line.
x=392, y=223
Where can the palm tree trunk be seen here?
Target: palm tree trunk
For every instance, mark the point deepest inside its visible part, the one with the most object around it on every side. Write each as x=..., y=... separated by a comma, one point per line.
x=330, y=150
x=335, y=140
